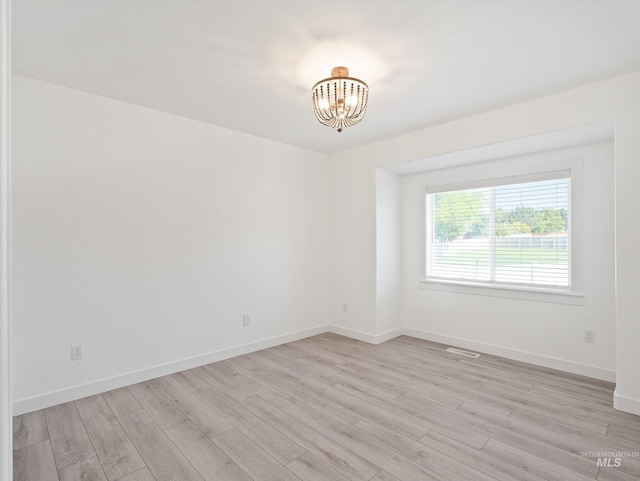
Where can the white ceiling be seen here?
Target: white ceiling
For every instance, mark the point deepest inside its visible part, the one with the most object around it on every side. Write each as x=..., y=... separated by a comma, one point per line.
x=250, y=65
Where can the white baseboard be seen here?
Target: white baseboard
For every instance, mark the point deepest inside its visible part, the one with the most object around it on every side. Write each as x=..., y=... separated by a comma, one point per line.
x=626, y=404
x=365, y=337
x=537, y=359
x=23, y=406
x=387, y=336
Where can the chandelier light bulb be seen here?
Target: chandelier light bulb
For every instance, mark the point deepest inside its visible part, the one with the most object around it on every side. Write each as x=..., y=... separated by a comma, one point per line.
x=340, y=101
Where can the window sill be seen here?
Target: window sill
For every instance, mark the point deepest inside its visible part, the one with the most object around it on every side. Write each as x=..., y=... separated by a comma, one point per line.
x=537, y=294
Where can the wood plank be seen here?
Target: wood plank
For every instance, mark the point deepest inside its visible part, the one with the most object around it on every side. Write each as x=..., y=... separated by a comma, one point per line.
x=265, y=391
x=551, y=407
x=580, y=400
x=625, y=433
x=482, y=462
x=423, y=413
x=244, y=363
x=579, y=440
x=613, y=474
x=115, y=452
x=332, y=453
x=429, y=458
x=34, y=463
x=273, y=362
x=191, y=381
x=363, y=445
x=364, y=408
x=422, y=386
x=288, y=351
x=69, y=438
x=469, y=392
x=208, y=459
x=529, y=462
x=329, y=400
x=553, y=377
x=121, y=401
x=223, y=382
x=488, y=374
x=252, y=459
x=324, y=367
x=30, y=428
x=542, y=449
x=336, y=352
x=268, y=438
x=87, y=470
x=301, y=392
x=533, y=430
x=384, y=476
x=256, y=386
x=309, y=468
x=163, y=411
x=207, y=420
x=141, y=475
x=556, y=418
x=335, y=374
x=163, y=459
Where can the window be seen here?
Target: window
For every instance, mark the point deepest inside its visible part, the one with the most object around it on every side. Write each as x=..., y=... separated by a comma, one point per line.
x=511, y=232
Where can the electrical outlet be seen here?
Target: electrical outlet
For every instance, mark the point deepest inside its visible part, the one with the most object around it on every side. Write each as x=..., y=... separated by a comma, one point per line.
x=344, y=308
x=590, y=337
x=246, y=320
x=76, y=352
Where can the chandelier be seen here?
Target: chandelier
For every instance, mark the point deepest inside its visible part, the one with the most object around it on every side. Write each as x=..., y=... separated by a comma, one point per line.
x=340, y=101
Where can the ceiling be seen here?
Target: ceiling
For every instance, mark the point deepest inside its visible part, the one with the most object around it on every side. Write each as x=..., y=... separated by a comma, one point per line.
x=250, y=65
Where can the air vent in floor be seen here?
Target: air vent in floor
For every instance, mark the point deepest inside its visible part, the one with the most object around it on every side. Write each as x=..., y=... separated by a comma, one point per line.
x=462, y=353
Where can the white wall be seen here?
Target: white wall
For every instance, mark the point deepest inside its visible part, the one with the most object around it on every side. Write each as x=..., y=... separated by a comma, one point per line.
x=352, y=257
x=145, y=237
x=353, y=236
x=6, y=408
x=388, y=253
x=546, y=329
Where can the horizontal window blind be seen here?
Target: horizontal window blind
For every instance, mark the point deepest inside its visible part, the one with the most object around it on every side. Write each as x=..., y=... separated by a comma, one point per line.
x=515, y=232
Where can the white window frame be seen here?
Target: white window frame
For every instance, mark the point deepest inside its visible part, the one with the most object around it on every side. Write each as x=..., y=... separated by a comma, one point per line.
x=572, y=294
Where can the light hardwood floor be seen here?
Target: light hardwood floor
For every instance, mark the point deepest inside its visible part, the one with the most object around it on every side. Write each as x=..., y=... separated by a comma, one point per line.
x=330, y=408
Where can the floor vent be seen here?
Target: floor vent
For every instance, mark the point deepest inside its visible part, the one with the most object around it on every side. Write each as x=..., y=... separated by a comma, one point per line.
x=463, y=353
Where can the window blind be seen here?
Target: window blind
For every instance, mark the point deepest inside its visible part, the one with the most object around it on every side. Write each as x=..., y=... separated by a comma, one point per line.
x=514, y=231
